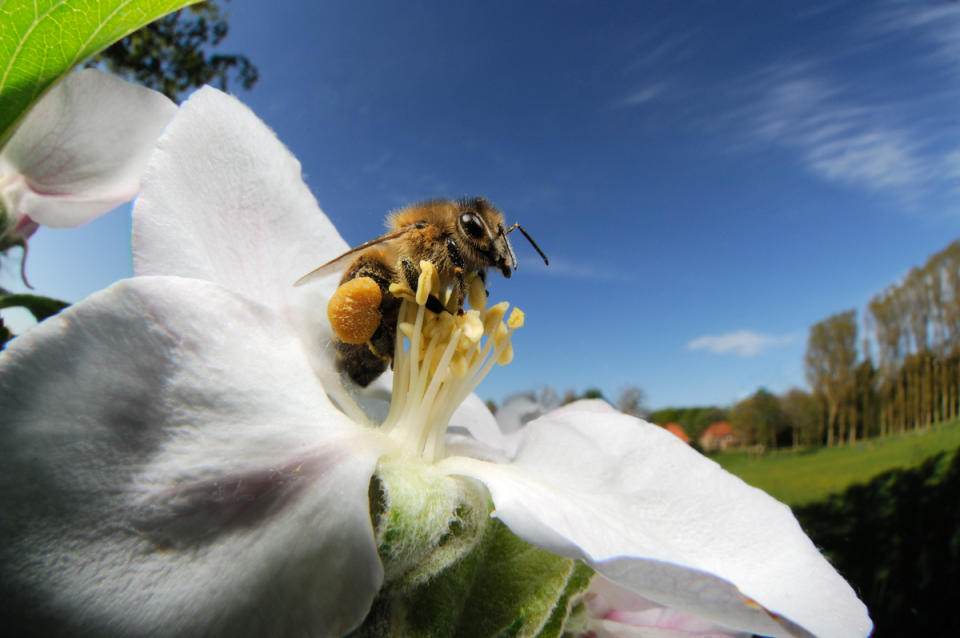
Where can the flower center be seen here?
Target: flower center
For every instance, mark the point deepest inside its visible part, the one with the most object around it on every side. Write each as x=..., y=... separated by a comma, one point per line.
x=440, y=358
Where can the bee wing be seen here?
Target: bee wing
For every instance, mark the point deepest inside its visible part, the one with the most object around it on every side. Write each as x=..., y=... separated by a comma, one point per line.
x=339, y=263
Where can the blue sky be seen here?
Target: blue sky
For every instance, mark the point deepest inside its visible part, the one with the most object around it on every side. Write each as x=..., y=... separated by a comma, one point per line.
x=708, y=179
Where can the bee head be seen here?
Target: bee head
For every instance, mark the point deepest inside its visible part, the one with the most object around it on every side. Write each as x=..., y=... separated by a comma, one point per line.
x=483, y=230
x=483, y=236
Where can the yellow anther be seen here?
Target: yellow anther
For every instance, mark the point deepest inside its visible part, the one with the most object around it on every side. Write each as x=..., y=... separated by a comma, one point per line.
x=437, y=368
x=478, y=294
x=494, y=315
x=500, y=333
x=444, y=325
x=427, y=283
x=406, y=329
x=402, y=291
x=472, y=326
x=516, y=318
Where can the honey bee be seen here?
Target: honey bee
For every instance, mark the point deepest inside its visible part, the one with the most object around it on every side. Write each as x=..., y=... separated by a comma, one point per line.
x=459, y=237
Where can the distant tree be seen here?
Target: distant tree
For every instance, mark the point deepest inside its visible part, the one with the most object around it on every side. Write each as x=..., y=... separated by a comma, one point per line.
x=915, y=330
x=745, y=418
x=171, y=55
x=666, y=415
x=802, y=414
x=863, y=405
x=830, y=360
x=632, y=401
x=491, y=405
x=884, y=319
x=776, y=428
x=760, y=419
x=593, y=393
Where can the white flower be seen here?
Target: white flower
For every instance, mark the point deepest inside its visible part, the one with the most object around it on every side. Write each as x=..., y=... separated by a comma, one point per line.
x=77, y=153
x=615, y=612
x=182, y=457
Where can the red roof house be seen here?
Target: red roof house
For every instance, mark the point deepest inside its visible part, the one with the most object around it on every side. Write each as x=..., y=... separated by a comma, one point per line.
x=719, y=436
x=676, y=430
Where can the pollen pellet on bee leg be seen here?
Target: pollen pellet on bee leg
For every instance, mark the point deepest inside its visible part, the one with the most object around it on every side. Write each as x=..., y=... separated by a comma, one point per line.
x=354, y=310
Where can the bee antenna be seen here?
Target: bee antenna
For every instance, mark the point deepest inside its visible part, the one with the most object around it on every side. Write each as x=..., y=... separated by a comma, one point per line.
x=529, y=239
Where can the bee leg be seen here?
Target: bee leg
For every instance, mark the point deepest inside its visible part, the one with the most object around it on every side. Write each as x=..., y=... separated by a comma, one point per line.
x=457, y=259
x=364, y=362
x=412, y=275
x=482, y=273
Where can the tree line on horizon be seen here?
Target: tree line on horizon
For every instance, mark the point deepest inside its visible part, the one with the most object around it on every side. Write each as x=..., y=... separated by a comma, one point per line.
x=900, y=373
x=906, y=373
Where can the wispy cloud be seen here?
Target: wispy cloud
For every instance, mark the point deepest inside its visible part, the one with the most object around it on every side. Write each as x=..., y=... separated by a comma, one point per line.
x=837, y=137
x=662, y=45
x=889, y=129
x=639, y=97
x=743, y=343
x=935, y=26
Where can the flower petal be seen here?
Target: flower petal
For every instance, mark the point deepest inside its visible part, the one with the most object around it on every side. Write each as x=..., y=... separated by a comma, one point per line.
x=224, y=200
x=176, y=469
x=82, y=148
x=619, y=613
x=474, y=432
x=654, y=516
x=519, y=410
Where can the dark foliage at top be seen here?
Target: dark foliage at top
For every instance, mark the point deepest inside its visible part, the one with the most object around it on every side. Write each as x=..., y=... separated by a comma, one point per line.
x=170, y=55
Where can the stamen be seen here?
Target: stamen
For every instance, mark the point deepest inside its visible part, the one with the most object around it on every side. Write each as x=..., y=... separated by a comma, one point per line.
x=439, y=359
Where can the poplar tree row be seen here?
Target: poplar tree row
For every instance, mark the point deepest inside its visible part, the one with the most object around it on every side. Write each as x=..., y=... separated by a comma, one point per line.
x=906, y=373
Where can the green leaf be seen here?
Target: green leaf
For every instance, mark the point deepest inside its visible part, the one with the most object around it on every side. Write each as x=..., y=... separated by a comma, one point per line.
x=39, y=307
x=42, y=40
x=516, y=589
x=577, y=584
x=504, y=588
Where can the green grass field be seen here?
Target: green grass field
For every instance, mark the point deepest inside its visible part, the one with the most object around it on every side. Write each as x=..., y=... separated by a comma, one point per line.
x=801, y=477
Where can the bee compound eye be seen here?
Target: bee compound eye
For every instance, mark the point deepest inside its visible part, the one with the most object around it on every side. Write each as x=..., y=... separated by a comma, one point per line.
x=472, y=224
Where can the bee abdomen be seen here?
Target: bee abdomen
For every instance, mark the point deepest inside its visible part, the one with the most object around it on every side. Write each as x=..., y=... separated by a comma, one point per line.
x=360, y=362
